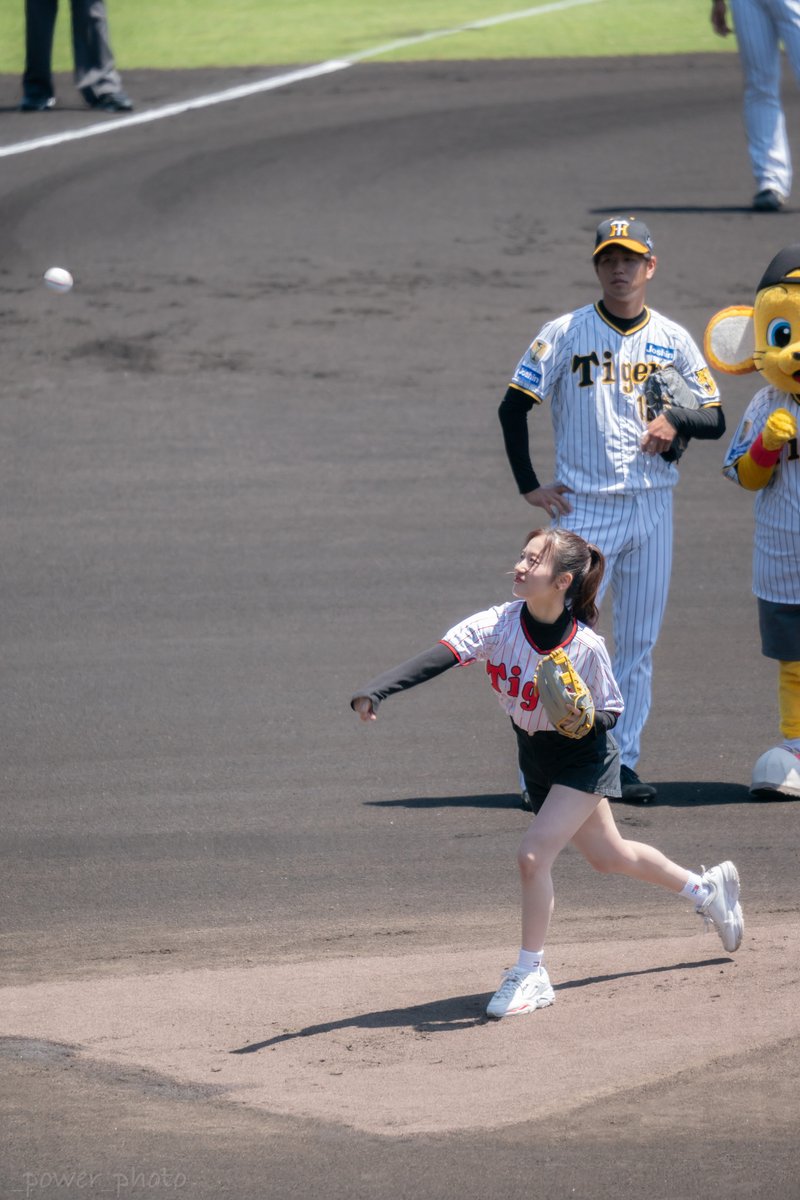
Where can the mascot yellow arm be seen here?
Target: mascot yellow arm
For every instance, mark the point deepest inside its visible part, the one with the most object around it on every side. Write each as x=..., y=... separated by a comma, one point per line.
x=754, y=469
x=751, y=475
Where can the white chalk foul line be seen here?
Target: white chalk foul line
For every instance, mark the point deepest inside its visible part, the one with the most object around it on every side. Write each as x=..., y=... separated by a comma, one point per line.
x=118, y=124
x=121, y=123
x=484, y=23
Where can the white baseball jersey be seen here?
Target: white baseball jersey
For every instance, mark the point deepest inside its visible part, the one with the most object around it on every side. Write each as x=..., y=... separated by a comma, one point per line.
x=761, y=26
x=498, y=638
x=594, y=376
x=776, y=546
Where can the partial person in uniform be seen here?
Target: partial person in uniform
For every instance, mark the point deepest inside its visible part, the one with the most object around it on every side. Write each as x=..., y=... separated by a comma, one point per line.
x=556, y=580
x=763, y=457
x=614, y=472
x=761, y=26
x=96, y=76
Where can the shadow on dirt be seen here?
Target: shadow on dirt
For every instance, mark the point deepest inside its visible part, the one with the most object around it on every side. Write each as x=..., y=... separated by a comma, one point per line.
x=681, y=208
x=687, y=793
x=454, y=1013
x=684, y=793
x=499, y=800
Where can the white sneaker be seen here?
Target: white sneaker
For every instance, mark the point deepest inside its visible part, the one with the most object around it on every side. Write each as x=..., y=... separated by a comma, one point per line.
x=521, y=992
x=722, y=908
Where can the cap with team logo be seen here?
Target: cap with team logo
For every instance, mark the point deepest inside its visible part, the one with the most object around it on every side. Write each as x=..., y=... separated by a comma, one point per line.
x=629, y=232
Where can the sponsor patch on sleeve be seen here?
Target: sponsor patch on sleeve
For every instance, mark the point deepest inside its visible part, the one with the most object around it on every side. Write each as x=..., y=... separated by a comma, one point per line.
x=528, y=378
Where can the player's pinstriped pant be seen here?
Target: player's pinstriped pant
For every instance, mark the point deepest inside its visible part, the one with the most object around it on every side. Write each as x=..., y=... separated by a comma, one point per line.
x=760, y=26
x=634, y=533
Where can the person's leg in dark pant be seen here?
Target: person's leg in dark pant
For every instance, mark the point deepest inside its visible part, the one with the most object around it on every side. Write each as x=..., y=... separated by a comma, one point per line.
x=37, y=81
x=95, y=73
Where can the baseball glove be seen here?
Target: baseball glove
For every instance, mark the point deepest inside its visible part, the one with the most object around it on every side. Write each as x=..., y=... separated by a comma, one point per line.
x=666, y=388
x=564, y=696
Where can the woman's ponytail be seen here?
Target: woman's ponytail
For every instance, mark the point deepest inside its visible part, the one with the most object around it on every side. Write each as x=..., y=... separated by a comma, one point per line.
x=582, y=592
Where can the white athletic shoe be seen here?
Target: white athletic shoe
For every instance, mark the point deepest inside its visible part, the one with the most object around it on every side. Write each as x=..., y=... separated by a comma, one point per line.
x=521, y=992
x=722, y=908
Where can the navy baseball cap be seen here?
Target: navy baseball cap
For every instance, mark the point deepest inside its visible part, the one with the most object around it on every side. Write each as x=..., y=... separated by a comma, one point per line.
x=629, y=232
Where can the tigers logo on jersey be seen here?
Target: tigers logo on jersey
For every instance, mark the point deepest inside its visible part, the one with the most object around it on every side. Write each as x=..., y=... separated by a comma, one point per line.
x=539, y=350
x=515, y=687
x=631, y=374
x=706, y=381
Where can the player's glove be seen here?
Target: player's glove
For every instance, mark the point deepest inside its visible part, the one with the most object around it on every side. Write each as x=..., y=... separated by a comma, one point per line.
x=564, y=696
x=666, y=388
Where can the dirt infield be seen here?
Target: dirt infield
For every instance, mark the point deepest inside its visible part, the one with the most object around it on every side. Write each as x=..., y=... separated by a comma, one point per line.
x=432, y=1065
x=251, y=459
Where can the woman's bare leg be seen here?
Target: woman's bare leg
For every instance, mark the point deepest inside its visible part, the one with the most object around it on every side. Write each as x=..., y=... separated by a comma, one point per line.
x=604, y=847
x=563, y=814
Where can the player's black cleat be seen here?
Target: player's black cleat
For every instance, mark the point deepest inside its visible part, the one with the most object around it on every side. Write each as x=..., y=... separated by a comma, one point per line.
x=113, y=102
x=37, y=103
x=768, y=200
x=634, y=790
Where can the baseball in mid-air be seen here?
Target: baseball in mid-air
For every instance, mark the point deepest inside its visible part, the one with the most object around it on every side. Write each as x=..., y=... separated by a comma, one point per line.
x=58, y=279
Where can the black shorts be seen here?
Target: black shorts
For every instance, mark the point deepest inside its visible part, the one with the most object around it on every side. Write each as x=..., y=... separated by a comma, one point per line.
x=780, y=630
x=589, y=764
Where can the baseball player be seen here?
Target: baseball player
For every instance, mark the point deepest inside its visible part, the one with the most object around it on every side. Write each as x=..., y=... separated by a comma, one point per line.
x=761, y=27
x=568, y=778
x=614, y=470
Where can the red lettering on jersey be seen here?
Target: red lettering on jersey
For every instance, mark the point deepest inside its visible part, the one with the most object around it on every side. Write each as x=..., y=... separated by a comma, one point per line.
x=499, y=674
x=496, y=672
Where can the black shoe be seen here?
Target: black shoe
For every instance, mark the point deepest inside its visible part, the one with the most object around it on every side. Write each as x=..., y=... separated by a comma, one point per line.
x=768, y=201
x=525, y=801
x=633, y=789
x=37, y=103
x=115, y=102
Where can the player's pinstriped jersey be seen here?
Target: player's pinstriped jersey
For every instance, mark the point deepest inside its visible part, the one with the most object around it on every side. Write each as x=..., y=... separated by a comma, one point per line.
x=593, y=375
x=776, y=545
x=498, y=638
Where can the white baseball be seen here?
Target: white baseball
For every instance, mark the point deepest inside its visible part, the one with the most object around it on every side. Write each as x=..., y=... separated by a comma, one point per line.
x=58, y=279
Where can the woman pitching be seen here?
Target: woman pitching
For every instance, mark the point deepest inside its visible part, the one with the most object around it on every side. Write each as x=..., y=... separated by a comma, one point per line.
x=555, y=582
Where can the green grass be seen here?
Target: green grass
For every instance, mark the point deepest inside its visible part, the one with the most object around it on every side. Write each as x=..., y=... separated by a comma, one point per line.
x=229, y=33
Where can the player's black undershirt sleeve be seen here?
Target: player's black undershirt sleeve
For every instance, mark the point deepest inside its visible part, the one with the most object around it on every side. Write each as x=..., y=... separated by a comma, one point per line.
x=422, y=667
x=701, y=423
x=604, y=720
x=513, y=414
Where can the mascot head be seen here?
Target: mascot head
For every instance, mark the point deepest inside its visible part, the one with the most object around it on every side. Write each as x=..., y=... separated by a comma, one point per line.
x=766, y=337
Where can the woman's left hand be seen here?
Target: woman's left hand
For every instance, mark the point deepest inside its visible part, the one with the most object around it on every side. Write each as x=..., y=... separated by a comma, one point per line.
x=363, y=706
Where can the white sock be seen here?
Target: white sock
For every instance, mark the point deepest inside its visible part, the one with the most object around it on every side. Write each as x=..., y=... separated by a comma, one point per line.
x=695, y=890
x=530, y=960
